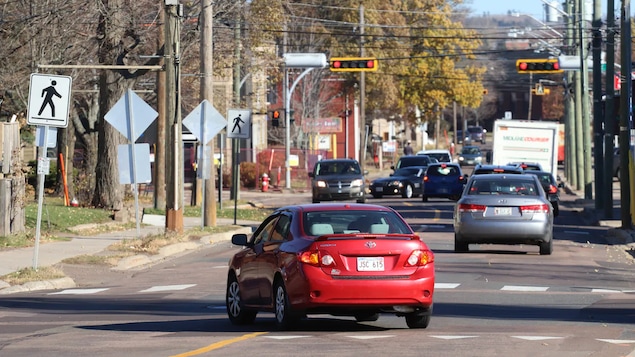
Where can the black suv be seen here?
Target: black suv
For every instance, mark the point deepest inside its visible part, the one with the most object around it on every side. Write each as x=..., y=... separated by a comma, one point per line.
x=338, y=180
x=414, y=160
x=497, y=169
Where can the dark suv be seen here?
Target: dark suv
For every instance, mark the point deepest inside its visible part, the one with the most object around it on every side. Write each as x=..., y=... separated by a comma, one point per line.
x=338, y=180
x=476, y=134
x=414, y=160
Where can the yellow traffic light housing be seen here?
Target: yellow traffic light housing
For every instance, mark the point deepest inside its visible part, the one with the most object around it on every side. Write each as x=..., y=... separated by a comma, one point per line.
x=549, y=65
x=353, y=64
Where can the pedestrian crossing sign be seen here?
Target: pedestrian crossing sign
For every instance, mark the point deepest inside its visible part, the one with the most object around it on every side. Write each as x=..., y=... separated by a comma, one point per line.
x=239, y=123
x=49, y=100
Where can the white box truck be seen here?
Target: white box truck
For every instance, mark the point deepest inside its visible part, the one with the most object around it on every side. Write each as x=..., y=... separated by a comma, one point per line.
x=526, y=141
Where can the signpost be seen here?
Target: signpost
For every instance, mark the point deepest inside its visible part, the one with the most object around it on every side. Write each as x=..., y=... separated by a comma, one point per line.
x=131, y=116
x=49, y=105
x=204, y=122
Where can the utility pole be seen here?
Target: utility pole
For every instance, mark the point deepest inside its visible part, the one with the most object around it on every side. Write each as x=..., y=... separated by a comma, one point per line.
x=598, y=134
x=587, y=159
x=579, y=130
x=362, y=95
x=569, y=124
x=160, y=147
x=609, y=111
x=174, y=162
x=531, y=83
x=625, y=120
x=207, y=93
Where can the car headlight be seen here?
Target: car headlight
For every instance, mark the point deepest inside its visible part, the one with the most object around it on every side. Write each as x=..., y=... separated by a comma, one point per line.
x=396, y=183
x=357, y=183
x=479, y=159
x=461, y=158
x=321, y=184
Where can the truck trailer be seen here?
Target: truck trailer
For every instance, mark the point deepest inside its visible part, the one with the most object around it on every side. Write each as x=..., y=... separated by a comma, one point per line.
x=517, y=140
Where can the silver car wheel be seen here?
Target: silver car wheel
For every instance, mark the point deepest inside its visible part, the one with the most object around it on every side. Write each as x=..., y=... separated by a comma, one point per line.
x=233, y=299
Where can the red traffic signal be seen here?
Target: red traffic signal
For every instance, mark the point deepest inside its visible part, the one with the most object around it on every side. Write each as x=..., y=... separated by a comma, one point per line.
x=549, y=65
x=353, y=64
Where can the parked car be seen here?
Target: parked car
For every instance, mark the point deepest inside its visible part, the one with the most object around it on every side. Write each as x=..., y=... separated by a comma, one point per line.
x=470, y=155
x=406, y=181
x=339, y=259
x=476, y=134
x=527, y=166
x=337, y=180
x=441, y=155
x=503, y=209
x=413, y=160
x=551, y=187
x=443, y=180
x=496, y=169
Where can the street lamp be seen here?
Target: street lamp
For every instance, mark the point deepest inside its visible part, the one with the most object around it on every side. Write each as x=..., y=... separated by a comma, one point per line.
x=308, y=61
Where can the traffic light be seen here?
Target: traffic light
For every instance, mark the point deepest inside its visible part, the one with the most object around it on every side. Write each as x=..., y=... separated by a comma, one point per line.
x=275, y=118
x=549, y=65
x=353, y=64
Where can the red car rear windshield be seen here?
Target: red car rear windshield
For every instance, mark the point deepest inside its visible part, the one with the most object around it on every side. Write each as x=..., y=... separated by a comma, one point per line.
x=317, y=223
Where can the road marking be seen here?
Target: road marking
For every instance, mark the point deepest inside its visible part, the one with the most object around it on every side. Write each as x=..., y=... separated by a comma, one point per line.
x=217, y=345
x=523, y=288
x=617, y=342
x=287, y=337
x=220, y=267
x=371, y=337
x=446, y=285
x=452, y=337
x=577, y=232
x=167, y=288
x=78, y=291
x=609, y=291
x=537, y=338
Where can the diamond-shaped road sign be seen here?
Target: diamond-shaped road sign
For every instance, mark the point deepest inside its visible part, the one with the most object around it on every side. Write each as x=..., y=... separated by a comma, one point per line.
x=239, y=123
x=205, y=122
x=49, y=100
x=131, y=116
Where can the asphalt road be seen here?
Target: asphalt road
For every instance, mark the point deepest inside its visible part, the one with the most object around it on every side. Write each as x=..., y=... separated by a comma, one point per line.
x=492, y=301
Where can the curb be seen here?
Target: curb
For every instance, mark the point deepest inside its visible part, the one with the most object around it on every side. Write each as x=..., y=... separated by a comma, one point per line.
x=135, y=261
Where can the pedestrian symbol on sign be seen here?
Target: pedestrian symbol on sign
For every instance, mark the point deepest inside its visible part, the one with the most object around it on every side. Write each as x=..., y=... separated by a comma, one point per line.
x=237, y=122
x=48, y=94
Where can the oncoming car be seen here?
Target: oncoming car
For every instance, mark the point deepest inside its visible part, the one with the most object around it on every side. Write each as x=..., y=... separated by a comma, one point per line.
x=340, y=259
x=503, y=209
x=338, y=180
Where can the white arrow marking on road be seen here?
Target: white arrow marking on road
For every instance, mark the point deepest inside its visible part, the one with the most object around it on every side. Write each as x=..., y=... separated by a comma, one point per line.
x=453, y=337
x=524, y=288
x=371, y=337
x=286, y=337
x=537, y=338
x=616, y=341
x=167, y=288
x=78, y=291
x=445, y=285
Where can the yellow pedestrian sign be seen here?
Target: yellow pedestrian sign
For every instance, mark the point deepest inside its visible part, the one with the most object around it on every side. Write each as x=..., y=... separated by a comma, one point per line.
x=49, y=100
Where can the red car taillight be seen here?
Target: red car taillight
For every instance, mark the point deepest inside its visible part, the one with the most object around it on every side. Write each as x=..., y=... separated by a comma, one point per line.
x=420, y=258
x=316, y=258
x=425, y=178
x=466, y=207
x=553, y=189
x=543, y=208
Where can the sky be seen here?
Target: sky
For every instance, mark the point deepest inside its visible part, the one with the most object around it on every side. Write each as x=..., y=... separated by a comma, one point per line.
x=496, y=7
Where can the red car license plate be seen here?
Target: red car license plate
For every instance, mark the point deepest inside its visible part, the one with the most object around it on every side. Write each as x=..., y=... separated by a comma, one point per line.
x=370, y=263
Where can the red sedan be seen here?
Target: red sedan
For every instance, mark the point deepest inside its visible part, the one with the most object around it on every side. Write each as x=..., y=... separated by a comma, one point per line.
x=340, y=259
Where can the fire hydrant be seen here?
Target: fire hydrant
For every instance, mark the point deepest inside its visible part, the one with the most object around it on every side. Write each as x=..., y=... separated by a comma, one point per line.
x=264, y=182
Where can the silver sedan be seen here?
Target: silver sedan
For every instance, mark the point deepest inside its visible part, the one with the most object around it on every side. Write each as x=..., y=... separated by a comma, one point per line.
x=503, y=209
